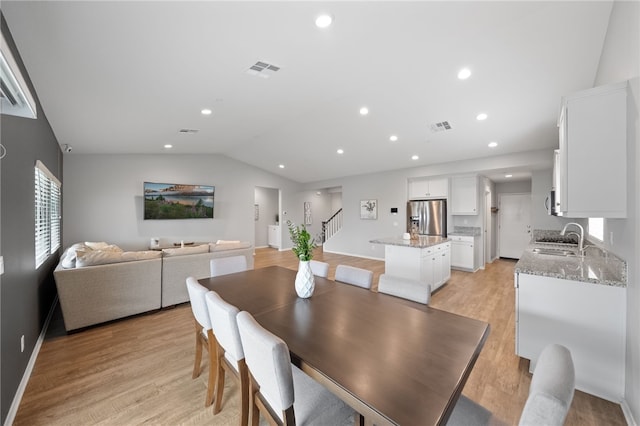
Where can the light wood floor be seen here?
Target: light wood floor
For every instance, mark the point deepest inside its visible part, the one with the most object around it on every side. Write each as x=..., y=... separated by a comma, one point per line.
x=138, y=370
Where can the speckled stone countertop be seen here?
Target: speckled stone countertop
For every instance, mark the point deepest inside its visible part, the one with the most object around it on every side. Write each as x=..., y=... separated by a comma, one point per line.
x=466, y=231
x=595, y=267
x=423, y=241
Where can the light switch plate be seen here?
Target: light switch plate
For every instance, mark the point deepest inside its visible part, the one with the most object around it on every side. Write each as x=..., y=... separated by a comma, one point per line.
x=1, y=265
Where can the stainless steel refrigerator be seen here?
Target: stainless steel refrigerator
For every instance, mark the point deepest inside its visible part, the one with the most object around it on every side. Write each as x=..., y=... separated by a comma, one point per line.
x=429, y=216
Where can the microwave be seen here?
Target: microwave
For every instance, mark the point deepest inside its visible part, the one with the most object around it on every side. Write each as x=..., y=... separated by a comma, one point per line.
x=550, y=203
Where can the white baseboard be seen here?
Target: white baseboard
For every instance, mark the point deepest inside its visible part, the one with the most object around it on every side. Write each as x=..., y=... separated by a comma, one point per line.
x=628, y=416
x=354, y=255
x=13, y=410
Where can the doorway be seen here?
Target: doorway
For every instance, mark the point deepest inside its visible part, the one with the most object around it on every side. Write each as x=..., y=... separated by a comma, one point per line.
x=267, y=219
x=514, y=224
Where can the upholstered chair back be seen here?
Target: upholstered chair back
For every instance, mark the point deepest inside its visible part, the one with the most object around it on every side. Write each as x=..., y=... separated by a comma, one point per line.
x=319, y=269
x=198, y=305
x=225, y=326
x=552, y=388
x=228, y=265
x=268, y=360
x=354, y=276
x=406, y=288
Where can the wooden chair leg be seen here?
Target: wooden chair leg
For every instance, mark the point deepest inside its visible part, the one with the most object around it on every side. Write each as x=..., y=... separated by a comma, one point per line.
x=213, y=367
x=244, y=393
x=253, y=407
x=198, y=360
x=219, y=388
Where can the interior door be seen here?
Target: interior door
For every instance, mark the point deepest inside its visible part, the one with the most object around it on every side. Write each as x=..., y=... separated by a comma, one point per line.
x=514, y=224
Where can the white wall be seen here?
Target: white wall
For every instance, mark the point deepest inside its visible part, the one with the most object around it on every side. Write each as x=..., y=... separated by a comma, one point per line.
x=514, y=187
x=390, y=189
x=320, y=210
x=102, y=198
x=267, y=201
x=619, y=62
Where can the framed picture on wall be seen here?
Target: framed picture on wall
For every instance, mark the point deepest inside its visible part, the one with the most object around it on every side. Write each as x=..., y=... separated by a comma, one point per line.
x=368, y=209
x=307, y=213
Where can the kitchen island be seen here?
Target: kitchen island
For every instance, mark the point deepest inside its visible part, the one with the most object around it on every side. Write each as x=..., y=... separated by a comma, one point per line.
x=427, y=259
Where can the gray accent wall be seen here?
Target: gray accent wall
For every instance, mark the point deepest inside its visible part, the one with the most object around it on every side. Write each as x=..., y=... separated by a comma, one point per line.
x=26, y=294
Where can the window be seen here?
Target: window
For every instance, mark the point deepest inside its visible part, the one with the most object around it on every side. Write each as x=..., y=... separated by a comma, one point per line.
x=596, y=228
x=47, y=212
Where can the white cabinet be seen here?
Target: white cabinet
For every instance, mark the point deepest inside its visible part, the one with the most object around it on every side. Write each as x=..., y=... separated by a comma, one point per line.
x=428, y=188
x=274, y=236
x=587, y=318
x=592, y=161
x=464, y=195
x=430, y=264
x=462, y=252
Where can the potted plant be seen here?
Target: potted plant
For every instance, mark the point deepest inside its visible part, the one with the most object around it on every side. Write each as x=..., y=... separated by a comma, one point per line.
x=303, y=245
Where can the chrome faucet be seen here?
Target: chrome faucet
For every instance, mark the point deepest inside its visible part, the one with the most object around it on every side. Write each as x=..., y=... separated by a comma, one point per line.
x=580, y=237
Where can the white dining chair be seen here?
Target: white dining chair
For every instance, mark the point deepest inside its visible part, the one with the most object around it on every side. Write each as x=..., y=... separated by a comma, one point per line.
x=550, y=394
x=354, y=276
x=228, y=265
x=406, y=288
x=319, y=269
x=281, y=391
x=203, y=333
x=230, y=355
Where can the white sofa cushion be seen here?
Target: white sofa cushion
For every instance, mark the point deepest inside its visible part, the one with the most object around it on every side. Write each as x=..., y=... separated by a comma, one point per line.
x=181, y=251
x=103, y=257
x=228, y=245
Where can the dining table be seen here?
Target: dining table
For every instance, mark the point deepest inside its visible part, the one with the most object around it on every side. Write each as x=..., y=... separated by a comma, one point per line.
x=394, y=361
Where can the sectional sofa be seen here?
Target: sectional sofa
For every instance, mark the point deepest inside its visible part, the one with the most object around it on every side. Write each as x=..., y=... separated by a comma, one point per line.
x=98, y=282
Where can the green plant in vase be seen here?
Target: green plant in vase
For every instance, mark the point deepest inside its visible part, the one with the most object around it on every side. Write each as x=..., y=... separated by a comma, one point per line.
x=303, y=243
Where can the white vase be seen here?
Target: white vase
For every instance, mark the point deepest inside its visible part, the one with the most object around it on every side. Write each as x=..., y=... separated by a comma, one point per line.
x=304, y=280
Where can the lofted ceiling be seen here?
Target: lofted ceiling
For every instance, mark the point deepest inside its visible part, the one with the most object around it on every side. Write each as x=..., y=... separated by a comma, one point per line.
x=125, y=77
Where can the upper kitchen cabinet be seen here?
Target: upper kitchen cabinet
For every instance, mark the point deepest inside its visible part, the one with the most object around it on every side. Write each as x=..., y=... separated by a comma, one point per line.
x=464, y=195
x=428, y=188
x=592, y=159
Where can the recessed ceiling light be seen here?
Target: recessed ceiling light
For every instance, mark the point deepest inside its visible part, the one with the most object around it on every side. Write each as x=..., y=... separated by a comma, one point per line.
x=492, y=144
x=464, y=73
x=281, y=166
x=340, y=151
x=323, y=21
x=415, y=157
x=481, y=116
x=508, y=176
x=364, y=111
x=393, y=138
x=168, y=146
x=206, y=111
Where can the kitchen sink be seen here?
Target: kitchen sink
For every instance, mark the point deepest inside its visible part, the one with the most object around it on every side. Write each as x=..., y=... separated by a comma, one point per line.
x=554, y=252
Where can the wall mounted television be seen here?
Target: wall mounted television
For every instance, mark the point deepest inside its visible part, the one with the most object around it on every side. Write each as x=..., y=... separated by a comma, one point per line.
x=177, y=201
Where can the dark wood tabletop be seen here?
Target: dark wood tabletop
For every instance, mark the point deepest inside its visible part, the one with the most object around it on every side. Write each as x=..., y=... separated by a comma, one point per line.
x=394, y=361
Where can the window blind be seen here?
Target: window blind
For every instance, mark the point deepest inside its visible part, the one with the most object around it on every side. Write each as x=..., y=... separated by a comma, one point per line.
x=47, y=213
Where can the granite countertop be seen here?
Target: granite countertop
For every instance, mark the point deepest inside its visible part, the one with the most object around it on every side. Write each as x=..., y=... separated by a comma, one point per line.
x=423, y=241
x=595, y=267
x=466, y=231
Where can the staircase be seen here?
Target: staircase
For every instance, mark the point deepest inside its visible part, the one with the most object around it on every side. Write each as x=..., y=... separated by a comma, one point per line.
x=331, y=226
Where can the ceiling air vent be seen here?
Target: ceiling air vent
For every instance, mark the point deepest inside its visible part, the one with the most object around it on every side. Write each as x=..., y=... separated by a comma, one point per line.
x=188, y=131
x=263, y=69
x=440, y=127
x=15, y=97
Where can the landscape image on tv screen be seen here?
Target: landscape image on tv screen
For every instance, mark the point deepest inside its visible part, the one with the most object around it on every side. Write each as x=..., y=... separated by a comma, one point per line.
x=175, y=201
